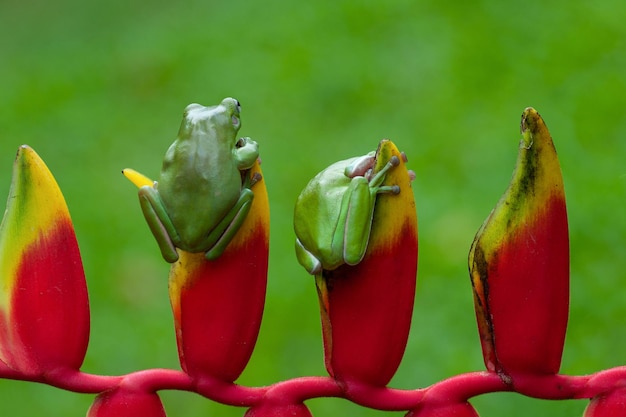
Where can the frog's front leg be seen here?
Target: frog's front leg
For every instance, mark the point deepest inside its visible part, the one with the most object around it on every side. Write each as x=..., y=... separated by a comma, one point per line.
x=159, y=222
x=246, y=153
x=229, y=225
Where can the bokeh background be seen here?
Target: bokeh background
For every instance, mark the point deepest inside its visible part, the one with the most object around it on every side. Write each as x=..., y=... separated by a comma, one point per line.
x=99, y=86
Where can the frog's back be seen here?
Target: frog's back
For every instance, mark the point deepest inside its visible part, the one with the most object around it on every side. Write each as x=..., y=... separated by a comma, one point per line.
x=199, y=184
x=317, y=210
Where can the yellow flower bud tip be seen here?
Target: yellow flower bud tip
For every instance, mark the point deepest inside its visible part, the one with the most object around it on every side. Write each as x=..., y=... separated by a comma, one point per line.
x=137, y=178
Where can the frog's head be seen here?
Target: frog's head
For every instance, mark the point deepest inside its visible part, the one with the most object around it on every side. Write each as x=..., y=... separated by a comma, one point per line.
x=221, y=122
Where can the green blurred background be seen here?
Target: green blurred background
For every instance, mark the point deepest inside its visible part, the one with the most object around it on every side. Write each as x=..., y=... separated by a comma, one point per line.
x=96, y=87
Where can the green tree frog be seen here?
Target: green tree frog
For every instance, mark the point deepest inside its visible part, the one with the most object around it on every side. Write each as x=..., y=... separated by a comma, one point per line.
x=333, y=214
x=203, y=193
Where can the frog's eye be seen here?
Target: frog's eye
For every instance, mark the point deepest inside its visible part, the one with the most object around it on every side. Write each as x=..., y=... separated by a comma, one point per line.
x=240, y=143
x=238, y=105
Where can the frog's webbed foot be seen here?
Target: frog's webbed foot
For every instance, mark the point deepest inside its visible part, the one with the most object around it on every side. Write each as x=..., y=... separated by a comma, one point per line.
x=410, y=171
x=256, y=177
x=247, y=180
x=379, y=178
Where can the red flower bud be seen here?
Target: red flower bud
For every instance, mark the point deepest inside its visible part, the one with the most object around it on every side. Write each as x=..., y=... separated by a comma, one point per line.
x=366, y=309
x=44, y=306
x=125, y=403
x=218, y=305
x=612, y=404
x=519, y=263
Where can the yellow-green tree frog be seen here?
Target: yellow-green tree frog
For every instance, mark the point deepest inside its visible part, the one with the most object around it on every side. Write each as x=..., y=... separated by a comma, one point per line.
x=203, y=193
x=333, y=214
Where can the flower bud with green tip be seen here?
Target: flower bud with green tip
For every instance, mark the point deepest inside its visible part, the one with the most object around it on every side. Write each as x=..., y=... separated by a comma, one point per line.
x=519, y=263
x=44, y=306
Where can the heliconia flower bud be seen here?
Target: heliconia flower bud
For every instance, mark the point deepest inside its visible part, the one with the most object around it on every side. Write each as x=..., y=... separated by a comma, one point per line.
x=366, y=309
x=218, y=305
x=44, y=306
x=612, y=404
x=464, y=409
x=519, y=263
x=278, y=410
x=126, y=403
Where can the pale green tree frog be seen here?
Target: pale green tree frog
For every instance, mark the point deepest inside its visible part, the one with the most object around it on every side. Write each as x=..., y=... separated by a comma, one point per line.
x=333, y=214
x=203, y=192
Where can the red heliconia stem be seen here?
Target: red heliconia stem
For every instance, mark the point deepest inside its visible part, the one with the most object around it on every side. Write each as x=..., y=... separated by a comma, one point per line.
x=463, y=409
x=455, y=390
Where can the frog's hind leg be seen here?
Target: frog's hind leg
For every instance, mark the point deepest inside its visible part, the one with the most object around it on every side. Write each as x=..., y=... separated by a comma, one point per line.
x=355, y=218
x=307, y=259
x=358, y=210
x=228, y=227
x=158, y=221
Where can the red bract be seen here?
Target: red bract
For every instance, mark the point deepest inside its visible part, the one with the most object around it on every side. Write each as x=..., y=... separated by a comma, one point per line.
x=126, y=403
x=612, y=404
x=218, y=305
x=44, y=307
x=519, y=263
x=366, y=309
x=278, y=410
